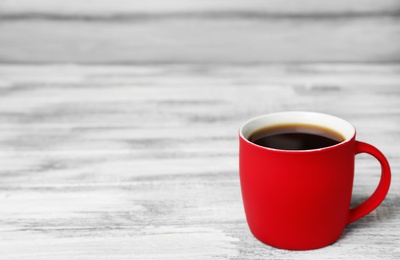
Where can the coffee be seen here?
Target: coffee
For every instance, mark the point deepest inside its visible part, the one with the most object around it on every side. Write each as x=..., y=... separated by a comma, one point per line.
x=296, y=137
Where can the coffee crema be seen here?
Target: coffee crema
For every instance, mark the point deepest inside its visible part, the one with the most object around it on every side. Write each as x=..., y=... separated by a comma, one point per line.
x=296, y=137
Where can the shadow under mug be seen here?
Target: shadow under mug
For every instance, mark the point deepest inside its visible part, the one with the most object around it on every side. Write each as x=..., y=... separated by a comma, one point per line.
x=300, y=199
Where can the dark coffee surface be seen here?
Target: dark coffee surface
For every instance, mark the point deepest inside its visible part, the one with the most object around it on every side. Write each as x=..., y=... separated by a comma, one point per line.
x=296, y=137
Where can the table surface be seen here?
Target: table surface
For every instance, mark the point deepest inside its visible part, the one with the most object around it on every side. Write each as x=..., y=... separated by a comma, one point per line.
x=141, y=162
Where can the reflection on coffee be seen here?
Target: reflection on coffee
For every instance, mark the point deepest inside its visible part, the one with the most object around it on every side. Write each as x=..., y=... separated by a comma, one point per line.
x=296, y=137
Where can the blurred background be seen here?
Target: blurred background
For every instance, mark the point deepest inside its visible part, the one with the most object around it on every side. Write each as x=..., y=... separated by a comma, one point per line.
x=199, y=31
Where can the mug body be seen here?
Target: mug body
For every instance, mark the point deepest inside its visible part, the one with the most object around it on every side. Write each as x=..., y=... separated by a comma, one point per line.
x=297, y=199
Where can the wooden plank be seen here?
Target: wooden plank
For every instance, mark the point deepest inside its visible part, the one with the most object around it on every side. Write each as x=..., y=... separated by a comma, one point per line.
x=140, y=162
x=221, y=32
x=171, y=6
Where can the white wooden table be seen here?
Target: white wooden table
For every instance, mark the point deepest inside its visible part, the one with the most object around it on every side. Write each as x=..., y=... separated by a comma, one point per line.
x=141, y=162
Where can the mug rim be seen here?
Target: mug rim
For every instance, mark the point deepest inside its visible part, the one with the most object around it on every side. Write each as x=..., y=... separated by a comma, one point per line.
x=348, y=131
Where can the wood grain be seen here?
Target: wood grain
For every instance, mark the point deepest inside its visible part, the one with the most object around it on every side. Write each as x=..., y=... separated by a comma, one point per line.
x=140, y=162
x=192, y=31
x=159, y=6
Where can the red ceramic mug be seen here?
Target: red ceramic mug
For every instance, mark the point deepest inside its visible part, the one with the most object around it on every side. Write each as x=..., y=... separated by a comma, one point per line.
x=300, y=199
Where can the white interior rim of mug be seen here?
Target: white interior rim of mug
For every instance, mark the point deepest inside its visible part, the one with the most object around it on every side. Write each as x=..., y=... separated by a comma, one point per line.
x=337, y=124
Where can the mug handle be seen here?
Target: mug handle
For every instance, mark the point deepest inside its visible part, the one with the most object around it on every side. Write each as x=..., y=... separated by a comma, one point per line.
x=380, y=193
